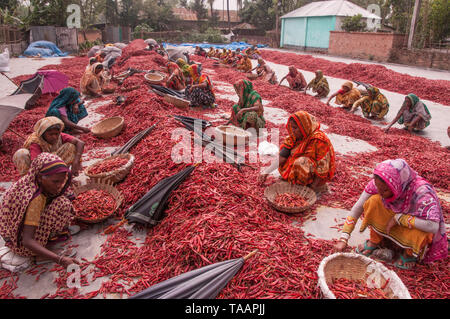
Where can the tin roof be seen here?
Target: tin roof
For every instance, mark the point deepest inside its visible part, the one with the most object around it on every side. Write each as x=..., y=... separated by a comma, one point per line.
x=341, y=8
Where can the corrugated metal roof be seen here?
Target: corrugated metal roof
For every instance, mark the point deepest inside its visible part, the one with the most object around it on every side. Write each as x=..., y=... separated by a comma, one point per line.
x=341, y=8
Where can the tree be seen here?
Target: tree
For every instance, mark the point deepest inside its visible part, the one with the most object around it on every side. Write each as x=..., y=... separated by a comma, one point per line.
x=158, y=17
x=214, y=18
x=259, y=13
x=354, y=23
x=198, y=6
x=49, y=12
x=128, y=15
x=10, y=4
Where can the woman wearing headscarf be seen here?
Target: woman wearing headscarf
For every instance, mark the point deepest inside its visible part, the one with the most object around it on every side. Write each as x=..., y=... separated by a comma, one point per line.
x=211, y=52
x=223, y=54
x=36, y=207
x=306, y=155
x=176, y=79
x=69, y=108
x=244, y=64
x=92, y=82
x=200, y=92
x=249, y=111
x=375, y=105
x=264, y=71
x=185, y=68
x=295, y=79
x=48, y=137
x=413, y=114
x=319, y=85
x=346, y=96
x=399, y=206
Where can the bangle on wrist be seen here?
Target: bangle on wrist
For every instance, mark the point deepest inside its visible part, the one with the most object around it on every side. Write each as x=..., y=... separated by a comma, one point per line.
x=59, y=259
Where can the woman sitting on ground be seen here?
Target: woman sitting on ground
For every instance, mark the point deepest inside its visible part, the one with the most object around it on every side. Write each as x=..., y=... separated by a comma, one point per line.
x=413, y=114
x=92, y=82
x=249, y=111
x=176, y=79
x=185, y=69
x=346, y=96
x=403, y=208
x=211, y=52
x=265, y=72
x=36, y=208
x=230, y=58
x=49, y=138
x=295, y=79
x=223, y=55
x=69, y=108
x=200, y=92
x=200, y=51
x=244, y=64
x=307, y=155
x=319, y=85
x=374, y=106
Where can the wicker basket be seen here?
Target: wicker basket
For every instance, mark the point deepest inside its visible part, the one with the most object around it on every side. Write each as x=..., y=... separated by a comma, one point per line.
x=232, y=135
x=252, y=76
x=179, y=103
x=100, y=185
x=125, y=89
x=109, y=127
x=154, y=78
x=358, y=267
x=113, y=176
x=282, y=187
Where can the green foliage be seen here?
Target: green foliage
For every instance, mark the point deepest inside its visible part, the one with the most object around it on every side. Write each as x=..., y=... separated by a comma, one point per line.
x=87, y=45
x=210, y=35
x=49, y=12
x=198, y=6
x=260, y=13
x=10, y=4
x=141, y=27
x=440, y=19
x=354, y=23
x=158, y=16
x=10, y=18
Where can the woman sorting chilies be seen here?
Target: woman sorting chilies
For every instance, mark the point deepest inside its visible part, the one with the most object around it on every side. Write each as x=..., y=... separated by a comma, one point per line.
x=49, y=138
x=346, y=96
x=307, y=156
x=36, y=208
x=249, y=111
x=403, y=212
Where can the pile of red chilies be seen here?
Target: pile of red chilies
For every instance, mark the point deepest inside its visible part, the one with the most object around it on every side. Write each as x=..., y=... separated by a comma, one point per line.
x=290, y=200
x=214, y=216
x=108, y=165
x=93, y=204
x=344, y=288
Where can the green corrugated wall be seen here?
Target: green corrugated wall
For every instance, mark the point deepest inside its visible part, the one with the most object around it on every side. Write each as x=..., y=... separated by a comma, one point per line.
x=311, y=32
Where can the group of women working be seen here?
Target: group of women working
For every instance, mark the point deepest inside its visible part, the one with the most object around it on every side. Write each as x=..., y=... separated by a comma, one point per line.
x=398, y=205
x=36, y=210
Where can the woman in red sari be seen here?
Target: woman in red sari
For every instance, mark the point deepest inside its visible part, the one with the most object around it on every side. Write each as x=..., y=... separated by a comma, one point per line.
x=176, y=78
x=307, y=155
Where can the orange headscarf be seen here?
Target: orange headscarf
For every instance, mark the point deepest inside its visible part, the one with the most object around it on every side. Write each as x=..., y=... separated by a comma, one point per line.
x=311, y=133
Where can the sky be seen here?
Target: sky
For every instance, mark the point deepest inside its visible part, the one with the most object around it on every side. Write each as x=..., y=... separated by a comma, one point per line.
x=222, y=4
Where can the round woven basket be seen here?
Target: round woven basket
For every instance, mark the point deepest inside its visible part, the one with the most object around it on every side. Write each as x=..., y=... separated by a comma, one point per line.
x=283, y=187
x=154, y=78
x=129, y=89
x=112, y=176
x=354, y=266
x=252, y=76
x=99, y=185
x=232, y=135
x=109, y=127
x=179, y=103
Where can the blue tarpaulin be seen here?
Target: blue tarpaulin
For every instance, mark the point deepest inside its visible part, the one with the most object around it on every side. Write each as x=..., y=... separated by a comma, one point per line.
x=231, y=46
x=44, y=49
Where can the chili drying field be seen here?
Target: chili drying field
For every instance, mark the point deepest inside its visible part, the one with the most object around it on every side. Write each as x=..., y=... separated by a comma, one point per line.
x=219, y=213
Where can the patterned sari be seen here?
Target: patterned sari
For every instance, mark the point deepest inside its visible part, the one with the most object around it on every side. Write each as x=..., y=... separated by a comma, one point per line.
x=67, y=98
x=296, y=79
x=91, y=80
x=247, y=98
x=309, y=157
x=414, y=197
x=66, y=151
x=55, y=215
x=204, y=97
x=245, y=64
x=417, y=108
x=348, y=98
x=176, y=79
x=184, y=67
x=374, y=105
x=319, y=85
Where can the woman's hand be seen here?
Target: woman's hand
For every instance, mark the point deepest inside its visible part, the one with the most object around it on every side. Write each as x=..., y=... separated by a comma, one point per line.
x=76, y=168
x=86, y=130
x=67, y=261
x=340, y=246
x=263, y=177
x=386, y=129
x=392, y=222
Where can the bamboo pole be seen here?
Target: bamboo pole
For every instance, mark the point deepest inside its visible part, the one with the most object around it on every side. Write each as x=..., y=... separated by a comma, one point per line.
x=251, y=254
